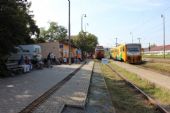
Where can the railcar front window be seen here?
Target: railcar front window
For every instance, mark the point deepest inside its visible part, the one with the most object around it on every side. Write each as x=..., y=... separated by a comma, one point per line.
x=133, y=49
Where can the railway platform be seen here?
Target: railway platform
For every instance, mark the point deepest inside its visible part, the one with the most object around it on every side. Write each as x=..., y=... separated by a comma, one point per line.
x=73, y=93
x=154, y=77
x=19, y=91
x=81, y=93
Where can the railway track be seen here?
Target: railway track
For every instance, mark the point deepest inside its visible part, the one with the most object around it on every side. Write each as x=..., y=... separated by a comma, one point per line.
x=151, y=100
x=37, y=102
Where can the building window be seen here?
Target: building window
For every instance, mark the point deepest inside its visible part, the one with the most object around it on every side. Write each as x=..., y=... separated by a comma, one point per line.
x=61, y=45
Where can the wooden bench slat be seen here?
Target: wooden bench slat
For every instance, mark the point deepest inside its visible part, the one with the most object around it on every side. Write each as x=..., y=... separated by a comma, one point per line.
x=14, y=67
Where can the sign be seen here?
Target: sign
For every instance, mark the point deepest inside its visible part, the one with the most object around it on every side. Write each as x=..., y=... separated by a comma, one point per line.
x=105, y=61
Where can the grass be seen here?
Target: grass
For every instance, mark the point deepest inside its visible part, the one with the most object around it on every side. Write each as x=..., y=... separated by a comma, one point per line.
x=161, y=94
x=160, y=67
x=156, y=56
x=124, y=98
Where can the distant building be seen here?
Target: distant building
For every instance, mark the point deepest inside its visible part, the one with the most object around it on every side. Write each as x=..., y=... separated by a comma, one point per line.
x=157, y=50
x=64, y=48
x=59, y=49
x=50, y=47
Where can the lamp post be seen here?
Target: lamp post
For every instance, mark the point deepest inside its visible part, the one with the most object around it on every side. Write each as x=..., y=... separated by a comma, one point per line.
x=85, y=26
x=163, y=17
x=69, y=32
x=132, y=36
x=83, y=15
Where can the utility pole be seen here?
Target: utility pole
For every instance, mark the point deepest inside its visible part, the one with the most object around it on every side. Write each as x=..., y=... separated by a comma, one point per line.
x=139, y=39
x=132, y=36
x=163, y=17
x=69, y=32
x=116, y=41
x=149, y=47
x=83, y=15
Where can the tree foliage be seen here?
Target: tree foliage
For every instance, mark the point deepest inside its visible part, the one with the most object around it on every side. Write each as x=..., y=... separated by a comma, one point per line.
x=54, y=32
x=85, y=41
x=16, y=26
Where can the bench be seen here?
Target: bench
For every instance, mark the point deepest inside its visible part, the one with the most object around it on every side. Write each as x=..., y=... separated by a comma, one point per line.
x=14, y=67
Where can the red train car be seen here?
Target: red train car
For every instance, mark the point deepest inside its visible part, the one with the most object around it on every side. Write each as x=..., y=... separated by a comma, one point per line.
x=99, y=52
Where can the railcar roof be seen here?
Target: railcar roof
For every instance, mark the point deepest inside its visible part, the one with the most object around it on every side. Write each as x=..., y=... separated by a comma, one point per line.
x=133, y=44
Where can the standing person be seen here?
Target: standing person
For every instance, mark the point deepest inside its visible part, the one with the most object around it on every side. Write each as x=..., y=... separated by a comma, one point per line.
x=52, y=58
x=65, y=60
x=49, y=60
x=21, y=60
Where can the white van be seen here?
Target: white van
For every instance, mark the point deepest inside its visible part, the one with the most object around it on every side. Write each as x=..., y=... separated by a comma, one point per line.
x=25, y=50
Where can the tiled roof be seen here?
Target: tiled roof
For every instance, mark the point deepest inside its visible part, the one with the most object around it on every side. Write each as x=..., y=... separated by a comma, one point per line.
x=158, y=48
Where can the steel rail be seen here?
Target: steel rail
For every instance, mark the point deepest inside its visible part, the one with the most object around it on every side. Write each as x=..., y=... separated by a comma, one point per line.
x=37, y=102
x=151, y=100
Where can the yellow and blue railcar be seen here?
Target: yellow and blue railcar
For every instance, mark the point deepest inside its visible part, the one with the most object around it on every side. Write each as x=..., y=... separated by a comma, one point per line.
x=113, y=53
x=130, y=53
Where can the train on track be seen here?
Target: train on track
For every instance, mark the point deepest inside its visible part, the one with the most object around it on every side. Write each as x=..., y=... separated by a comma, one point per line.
x=130, y=53
x=99, y=52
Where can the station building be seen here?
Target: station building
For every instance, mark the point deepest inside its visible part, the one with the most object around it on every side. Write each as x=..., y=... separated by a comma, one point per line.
x=60, y=49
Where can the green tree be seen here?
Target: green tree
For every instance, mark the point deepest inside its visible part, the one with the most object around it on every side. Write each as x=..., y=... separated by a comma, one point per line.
x=43, y=36
x=16, y=27
x=85, y=41
x=54, y=32
x=92, y=41
x=62, y=33
x=43, y=33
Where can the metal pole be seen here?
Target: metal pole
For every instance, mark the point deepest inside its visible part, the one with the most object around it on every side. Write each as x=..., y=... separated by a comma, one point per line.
x=163, y=17
x=81, y=23
x=139, y=39
x=83, y=15
x=132, y=36
x=85, y=27
x=69, y=32
x=116, y=41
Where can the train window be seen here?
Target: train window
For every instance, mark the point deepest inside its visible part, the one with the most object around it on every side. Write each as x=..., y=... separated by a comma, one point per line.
x=25, y=50
x=133, y=49
x=99, y=48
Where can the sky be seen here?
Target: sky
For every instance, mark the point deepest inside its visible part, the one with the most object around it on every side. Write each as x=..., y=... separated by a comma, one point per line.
x=109, y=19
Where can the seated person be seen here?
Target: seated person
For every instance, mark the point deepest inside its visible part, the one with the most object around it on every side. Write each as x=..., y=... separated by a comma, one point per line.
x=38, y=61
x=28, y=62
x=21, y=62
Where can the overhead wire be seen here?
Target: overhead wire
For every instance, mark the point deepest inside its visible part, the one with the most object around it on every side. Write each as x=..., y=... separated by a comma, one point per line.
x=157, y=28
x=146, y=22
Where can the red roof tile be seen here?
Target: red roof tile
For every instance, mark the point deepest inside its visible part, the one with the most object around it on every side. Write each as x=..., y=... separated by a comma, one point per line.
x=158, y=48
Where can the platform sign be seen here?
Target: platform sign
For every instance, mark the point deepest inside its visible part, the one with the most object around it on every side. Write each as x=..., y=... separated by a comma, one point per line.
x=105, y=61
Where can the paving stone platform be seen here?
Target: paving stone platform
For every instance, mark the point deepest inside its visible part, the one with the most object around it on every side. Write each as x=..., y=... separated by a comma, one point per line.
x=99, y=100
x=52, y=105
x=19, y=91
x=73, y=93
